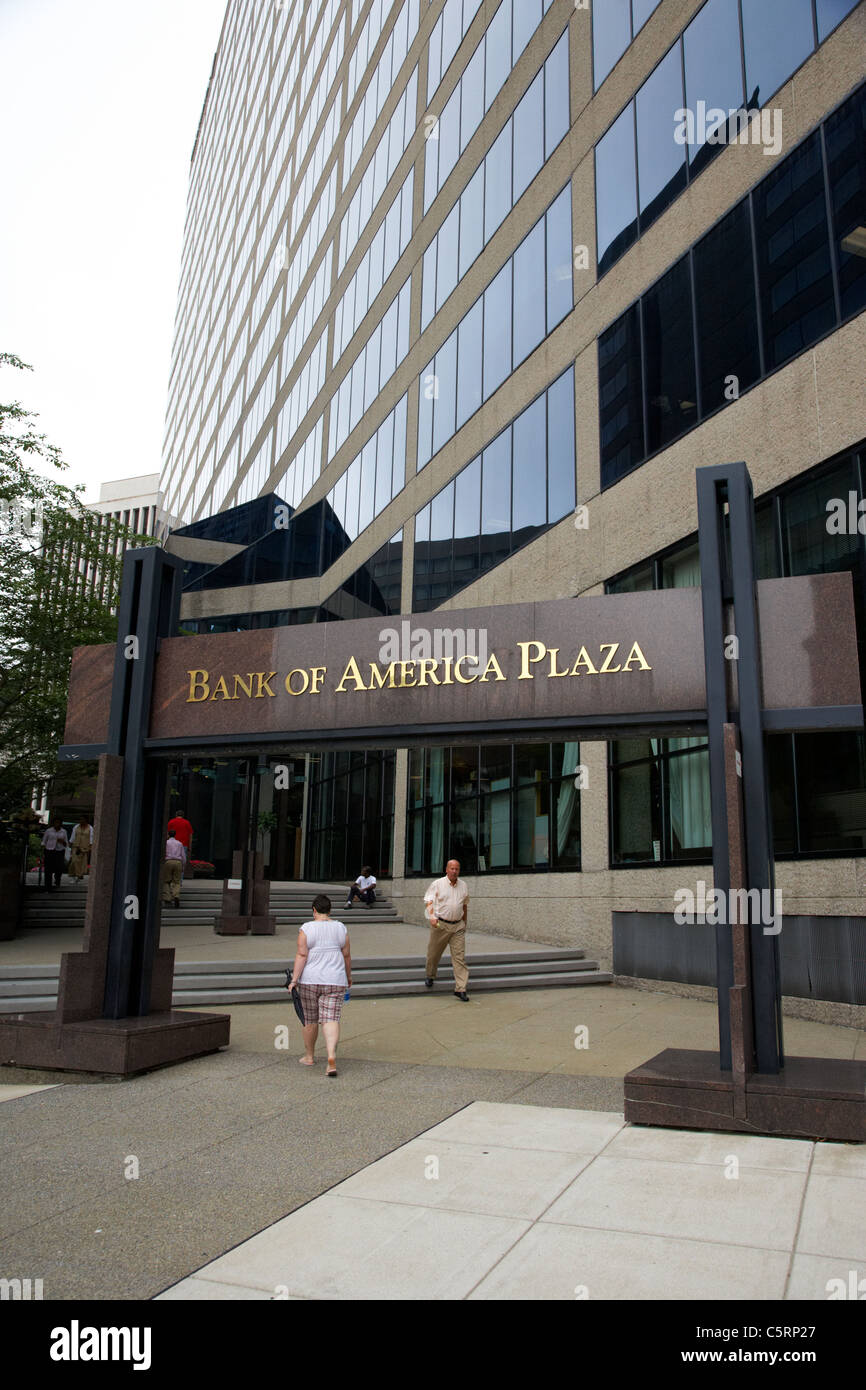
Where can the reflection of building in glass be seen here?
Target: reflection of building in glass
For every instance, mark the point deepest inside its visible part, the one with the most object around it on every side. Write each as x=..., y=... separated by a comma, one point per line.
x=448, y=272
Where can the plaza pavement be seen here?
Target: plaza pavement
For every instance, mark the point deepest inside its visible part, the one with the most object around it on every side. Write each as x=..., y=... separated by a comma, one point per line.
x=463, y=1151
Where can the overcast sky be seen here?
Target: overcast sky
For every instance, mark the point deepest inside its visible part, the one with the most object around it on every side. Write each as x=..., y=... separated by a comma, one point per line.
x=99, y=106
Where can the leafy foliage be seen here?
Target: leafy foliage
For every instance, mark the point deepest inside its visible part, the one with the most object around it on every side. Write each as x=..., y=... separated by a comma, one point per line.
x=60, y=567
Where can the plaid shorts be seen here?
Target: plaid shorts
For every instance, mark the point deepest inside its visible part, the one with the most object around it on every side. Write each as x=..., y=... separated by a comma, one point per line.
x=322, y=1003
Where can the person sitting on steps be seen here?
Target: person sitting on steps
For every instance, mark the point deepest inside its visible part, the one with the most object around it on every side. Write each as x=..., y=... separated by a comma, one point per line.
x=364, y=888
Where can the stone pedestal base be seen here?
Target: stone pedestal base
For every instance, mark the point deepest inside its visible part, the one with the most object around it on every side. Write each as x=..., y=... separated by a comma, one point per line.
x=226, y=925
x=113, y=1046
x=811, y=1098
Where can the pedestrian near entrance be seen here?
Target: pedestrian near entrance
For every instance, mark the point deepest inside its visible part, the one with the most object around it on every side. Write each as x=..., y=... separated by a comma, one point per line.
x=445, y=906
x=322, y=972
x=181, y=829
x=55, y=843
x=82, y=843
x=172, y=870
x=364, y=888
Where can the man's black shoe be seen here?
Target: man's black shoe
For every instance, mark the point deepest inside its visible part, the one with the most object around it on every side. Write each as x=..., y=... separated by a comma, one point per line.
x=461, y=994
x=428, y=982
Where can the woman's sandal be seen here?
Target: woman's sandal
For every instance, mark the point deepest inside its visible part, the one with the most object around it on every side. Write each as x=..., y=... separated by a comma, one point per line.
x=331, y=1062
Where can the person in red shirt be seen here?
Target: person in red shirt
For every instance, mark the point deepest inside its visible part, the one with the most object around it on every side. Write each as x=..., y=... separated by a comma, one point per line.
x=181, y=829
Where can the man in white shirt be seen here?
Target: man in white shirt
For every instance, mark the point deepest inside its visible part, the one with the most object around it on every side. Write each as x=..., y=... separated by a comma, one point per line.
x=172, y=870
x=445, y=907
x=54, y=843
x=364, y=888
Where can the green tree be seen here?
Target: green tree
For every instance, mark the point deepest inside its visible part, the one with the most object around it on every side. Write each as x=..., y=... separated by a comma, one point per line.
x=60, y=567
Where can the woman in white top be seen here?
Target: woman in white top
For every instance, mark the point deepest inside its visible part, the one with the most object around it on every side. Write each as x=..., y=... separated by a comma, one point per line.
x=325, y=962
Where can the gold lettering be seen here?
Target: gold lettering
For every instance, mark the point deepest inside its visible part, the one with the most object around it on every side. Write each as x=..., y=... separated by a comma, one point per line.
x=298, y=671
x=318, y=675
x=221, y=688
x=404, y=673
x=553, y=654
x=612, y=648
x=583, y=659
x=637, y=655
x=263, y=684
x=526, y=660
x=494, y=667
x=246, y=687
x=351, y=673
x=446, y=662
x=465, y=680
x=197, y=679
x=427, y=666
x=378, y=678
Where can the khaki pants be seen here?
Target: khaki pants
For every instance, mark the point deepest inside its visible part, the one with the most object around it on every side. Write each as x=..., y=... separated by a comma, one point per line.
x=451, y=934
x=171, y=877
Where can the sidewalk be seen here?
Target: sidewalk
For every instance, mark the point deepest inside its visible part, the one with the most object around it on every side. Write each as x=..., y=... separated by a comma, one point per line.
x=246, y=1146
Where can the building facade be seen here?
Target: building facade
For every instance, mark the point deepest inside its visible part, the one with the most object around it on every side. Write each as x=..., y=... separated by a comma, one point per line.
x=469, y=290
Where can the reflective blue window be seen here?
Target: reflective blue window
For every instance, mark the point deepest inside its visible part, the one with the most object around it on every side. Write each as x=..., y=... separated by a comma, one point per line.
x=467, y=524
x=452, y=31
x=353, y=490
x=620, y=397
x=778, y=37
x=714, y=72
x=367, y=501
x=431, y=167
x=642, y=9
x=446, y=269
x=669, y=357
x=616, y=190
x=428, y=286
x=384, y=463
x=497, y=330
x=497, y=186
x=449, y=136
x=726, y=310
x=560, y=284
x=389, y=342
x=611, y=36
x=661, y=161
x=794, y=254
x=497, y=53
x=398, y=476
x=496, y=501
x=831, y=13
x=557, y=110
x=469, y=354
x=472, y=107
x=529, y=293
x=529, y=136
x=529, y=451
x=471, y=221
x=425, y=415
x=846, y=156
x=527, y=17
x=560, y=447
x=445, y=404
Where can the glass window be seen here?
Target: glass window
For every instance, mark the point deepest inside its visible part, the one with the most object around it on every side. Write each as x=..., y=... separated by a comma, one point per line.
x=831, y=782
x=611, y=36
x=434, y=60
x=831, y=13
x=497, y=331
x=527, y=17
x=431, y=166
x=452, y=31
x=557, y=116
x=467, y=523
x=496, y=501
x=426, y=387
x=560, y=447
x=529, y=293
x=471, y=221
x=714, y=74
x=727, y=311
x=497, y=182
x=642, y=9
x=442, y=515
x=403, y=304
x=661, y=162
x=809, y=547
x=620, y=397
x=446, y=402
x=368, y=485
x=794, y=254
x=560, y=284
x=398, y=476
x=428, y=285
x=446, y=268
x=469, y=354
x=449, y=136
x=615, y=190
x=353, y=490
x=374, y=349
x=472, y=100
x=384, y=462
x=529, y=443
x=669, y=357
x=389, y=342
x=529, y=136
x=846, y=157
x=497, y=54
x=778, y=37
